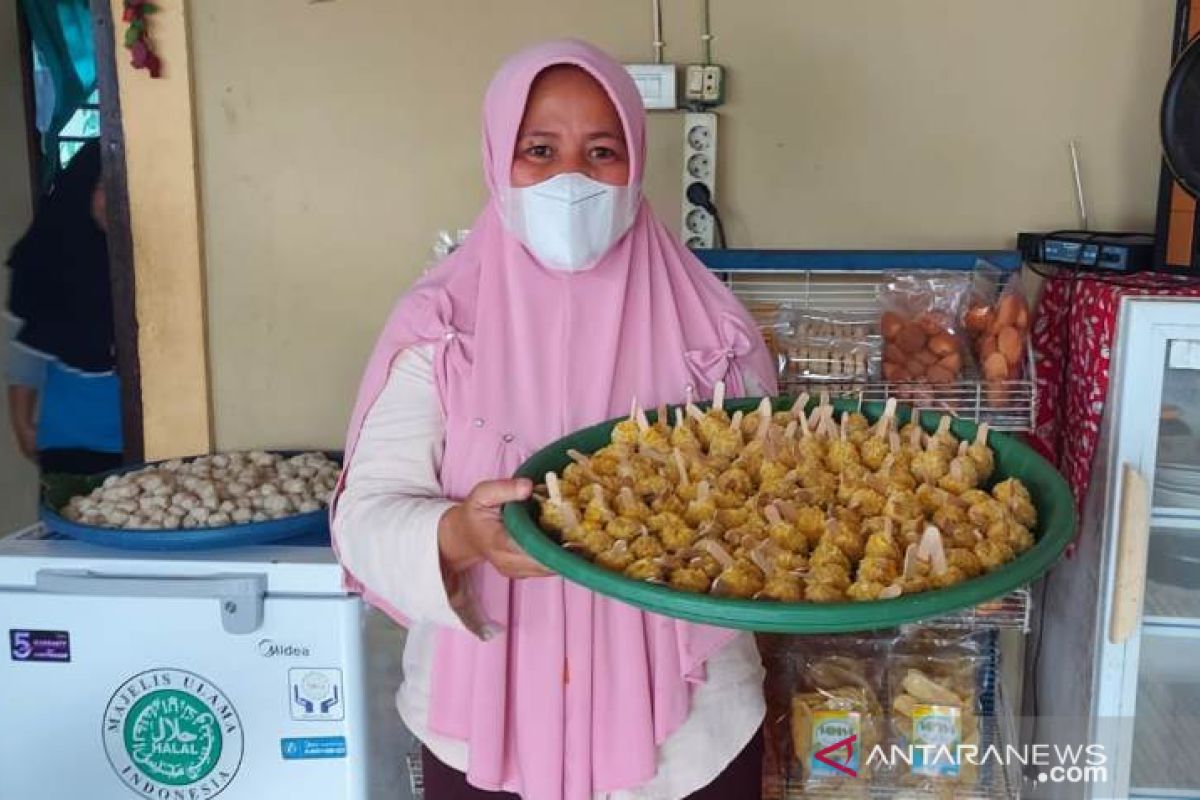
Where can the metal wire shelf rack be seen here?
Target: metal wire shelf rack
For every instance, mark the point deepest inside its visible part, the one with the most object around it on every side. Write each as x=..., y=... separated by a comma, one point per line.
x=1010, y=612
x=1006, y=406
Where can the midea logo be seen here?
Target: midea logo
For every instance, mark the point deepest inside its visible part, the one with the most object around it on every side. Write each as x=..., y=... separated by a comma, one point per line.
x=268, y=648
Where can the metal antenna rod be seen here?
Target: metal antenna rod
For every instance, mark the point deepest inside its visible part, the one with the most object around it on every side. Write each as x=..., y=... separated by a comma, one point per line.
x=1078, y=175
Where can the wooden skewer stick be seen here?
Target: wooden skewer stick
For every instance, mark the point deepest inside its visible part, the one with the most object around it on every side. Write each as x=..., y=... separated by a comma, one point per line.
x=585, y=463
x=894, y=442
x=981, y=435
x=911, y=561
x=917, y=432
x=931, y=549
x=714, y=549
x=643, y=423
x=554, y=489
x=800, y=407
x=694, y=411
x=813, y=426
x=681, y=465
x=735, y=424
x=845, y=426
x=790, y=431
x=633, y=408
x=718, y=401
x=944, y=425
x=829, y=427
x=886, y=418
x=662, y=419
x=824, y=397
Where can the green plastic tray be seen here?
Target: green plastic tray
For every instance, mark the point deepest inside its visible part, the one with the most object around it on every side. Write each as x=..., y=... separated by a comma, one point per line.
x=1056, y=527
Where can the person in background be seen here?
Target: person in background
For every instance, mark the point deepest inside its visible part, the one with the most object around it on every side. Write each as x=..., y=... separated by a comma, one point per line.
x=63, y=392
x=568, y=299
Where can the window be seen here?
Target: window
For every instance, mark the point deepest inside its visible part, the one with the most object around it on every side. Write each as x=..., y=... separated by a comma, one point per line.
x=83, y=125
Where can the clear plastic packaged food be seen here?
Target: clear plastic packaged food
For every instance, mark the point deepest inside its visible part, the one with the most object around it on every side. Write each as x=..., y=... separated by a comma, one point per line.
x=848, y=326
x=919, y=321
x=934, y=710
x=997, y=320
x=824, y=710
x=822, y=359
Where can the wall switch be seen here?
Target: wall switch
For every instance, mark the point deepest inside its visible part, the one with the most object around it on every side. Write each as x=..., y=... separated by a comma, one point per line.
x=697, y=228
x=704, y=85
x=655, y=83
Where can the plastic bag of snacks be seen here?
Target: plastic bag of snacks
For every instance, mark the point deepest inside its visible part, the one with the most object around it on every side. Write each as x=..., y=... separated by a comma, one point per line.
x=998, y=321
x=845, y=326
x=776, y=326
x=934, y=711
x=922, y=338
x=832, y=349
x=824, y=360
x=835, y=717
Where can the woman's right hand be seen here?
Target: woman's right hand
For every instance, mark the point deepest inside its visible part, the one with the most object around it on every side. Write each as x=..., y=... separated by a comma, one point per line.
x=472, y=532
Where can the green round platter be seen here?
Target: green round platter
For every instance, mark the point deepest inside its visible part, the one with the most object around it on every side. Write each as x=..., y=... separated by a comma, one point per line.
x=1055, y=529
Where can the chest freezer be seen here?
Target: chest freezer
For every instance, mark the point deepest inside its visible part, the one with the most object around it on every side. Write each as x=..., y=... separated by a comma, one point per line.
x=244, y=674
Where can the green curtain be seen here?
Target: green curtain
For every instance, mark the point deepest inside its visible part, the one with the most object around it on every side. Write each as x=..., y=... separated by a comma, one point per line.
x=62, y=33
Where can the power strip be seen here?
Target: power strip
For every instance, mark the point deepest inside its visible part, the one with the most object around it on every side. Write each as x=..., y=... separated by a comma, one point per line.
x=699, y=165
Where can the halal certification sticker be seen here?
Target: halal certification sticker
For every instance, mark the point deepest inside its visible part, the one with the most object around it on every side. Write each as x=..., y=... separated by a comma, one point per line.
x=169, y=731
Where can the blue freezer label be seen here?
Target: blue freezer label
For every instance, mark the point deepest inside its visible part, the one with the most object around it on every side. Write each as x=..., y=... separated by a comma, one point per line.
x=51, y=646
x=313, y=747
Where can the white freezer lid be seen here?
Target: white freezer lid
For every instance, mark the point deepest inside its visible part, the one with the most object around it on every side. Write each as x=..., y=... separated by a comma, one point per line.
x=289, y=569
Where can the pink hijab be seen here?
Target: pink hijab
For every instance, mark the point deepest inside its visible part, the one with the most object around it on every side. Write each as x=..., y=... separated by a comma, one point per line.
x=576, y=693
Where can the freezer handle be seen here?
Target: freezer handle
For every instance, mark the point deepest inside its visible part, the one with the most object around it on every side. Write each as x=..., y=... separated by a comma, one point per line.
x=1133, y=544
x=240, y=595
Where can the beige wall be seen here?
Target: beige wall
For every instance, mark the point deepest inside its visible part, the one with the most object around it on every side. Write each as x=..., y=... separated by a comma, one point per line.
x=337, y=137
x=18, y=479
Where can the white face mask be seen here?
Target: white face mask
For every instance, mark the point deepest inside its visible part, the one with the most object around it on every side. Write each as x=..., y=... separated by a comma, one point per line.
x=569, y=221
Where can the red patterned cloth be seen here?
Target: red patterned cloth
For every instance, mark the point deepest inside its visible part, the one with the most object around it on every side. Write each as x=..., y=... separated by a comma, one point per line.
x=1073, y=333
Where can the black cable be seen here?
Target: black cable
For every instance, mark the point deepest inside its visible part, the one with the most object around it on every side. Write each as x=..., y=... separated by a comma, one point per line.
x=720, y=228
x=698, y=194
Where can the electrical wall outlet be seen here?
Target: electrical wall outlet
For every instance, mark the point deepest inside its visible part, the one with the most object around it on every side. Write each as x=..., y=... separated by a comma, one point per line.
x=699, y=166
x=704, y=85
x=655, y=83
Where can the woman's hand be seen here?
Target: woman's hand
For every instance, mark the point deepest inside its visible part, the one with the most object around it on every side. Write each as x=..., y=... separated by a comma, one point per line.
x=471, y=532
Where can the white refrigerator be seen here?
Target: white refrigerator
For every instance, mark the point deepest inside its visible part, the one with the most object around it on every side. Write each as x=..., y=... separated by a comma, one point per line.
x=244, y=674
x=1116, y=662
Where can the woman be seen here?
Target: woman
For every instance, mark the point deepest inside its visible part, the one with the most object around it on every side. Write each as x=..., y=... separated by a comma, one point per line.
x=63, y=392
x=568, y=299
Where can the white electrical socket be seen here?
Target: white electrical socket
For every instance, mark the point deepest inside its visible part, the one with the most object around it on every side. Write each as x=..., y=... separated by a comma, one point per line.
x=699, y=166
x=704, y=85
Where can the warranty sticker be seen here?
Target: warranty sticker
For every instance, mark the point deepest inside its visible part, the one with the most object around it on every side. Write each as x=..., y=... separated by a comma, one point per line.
x=46, y=646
